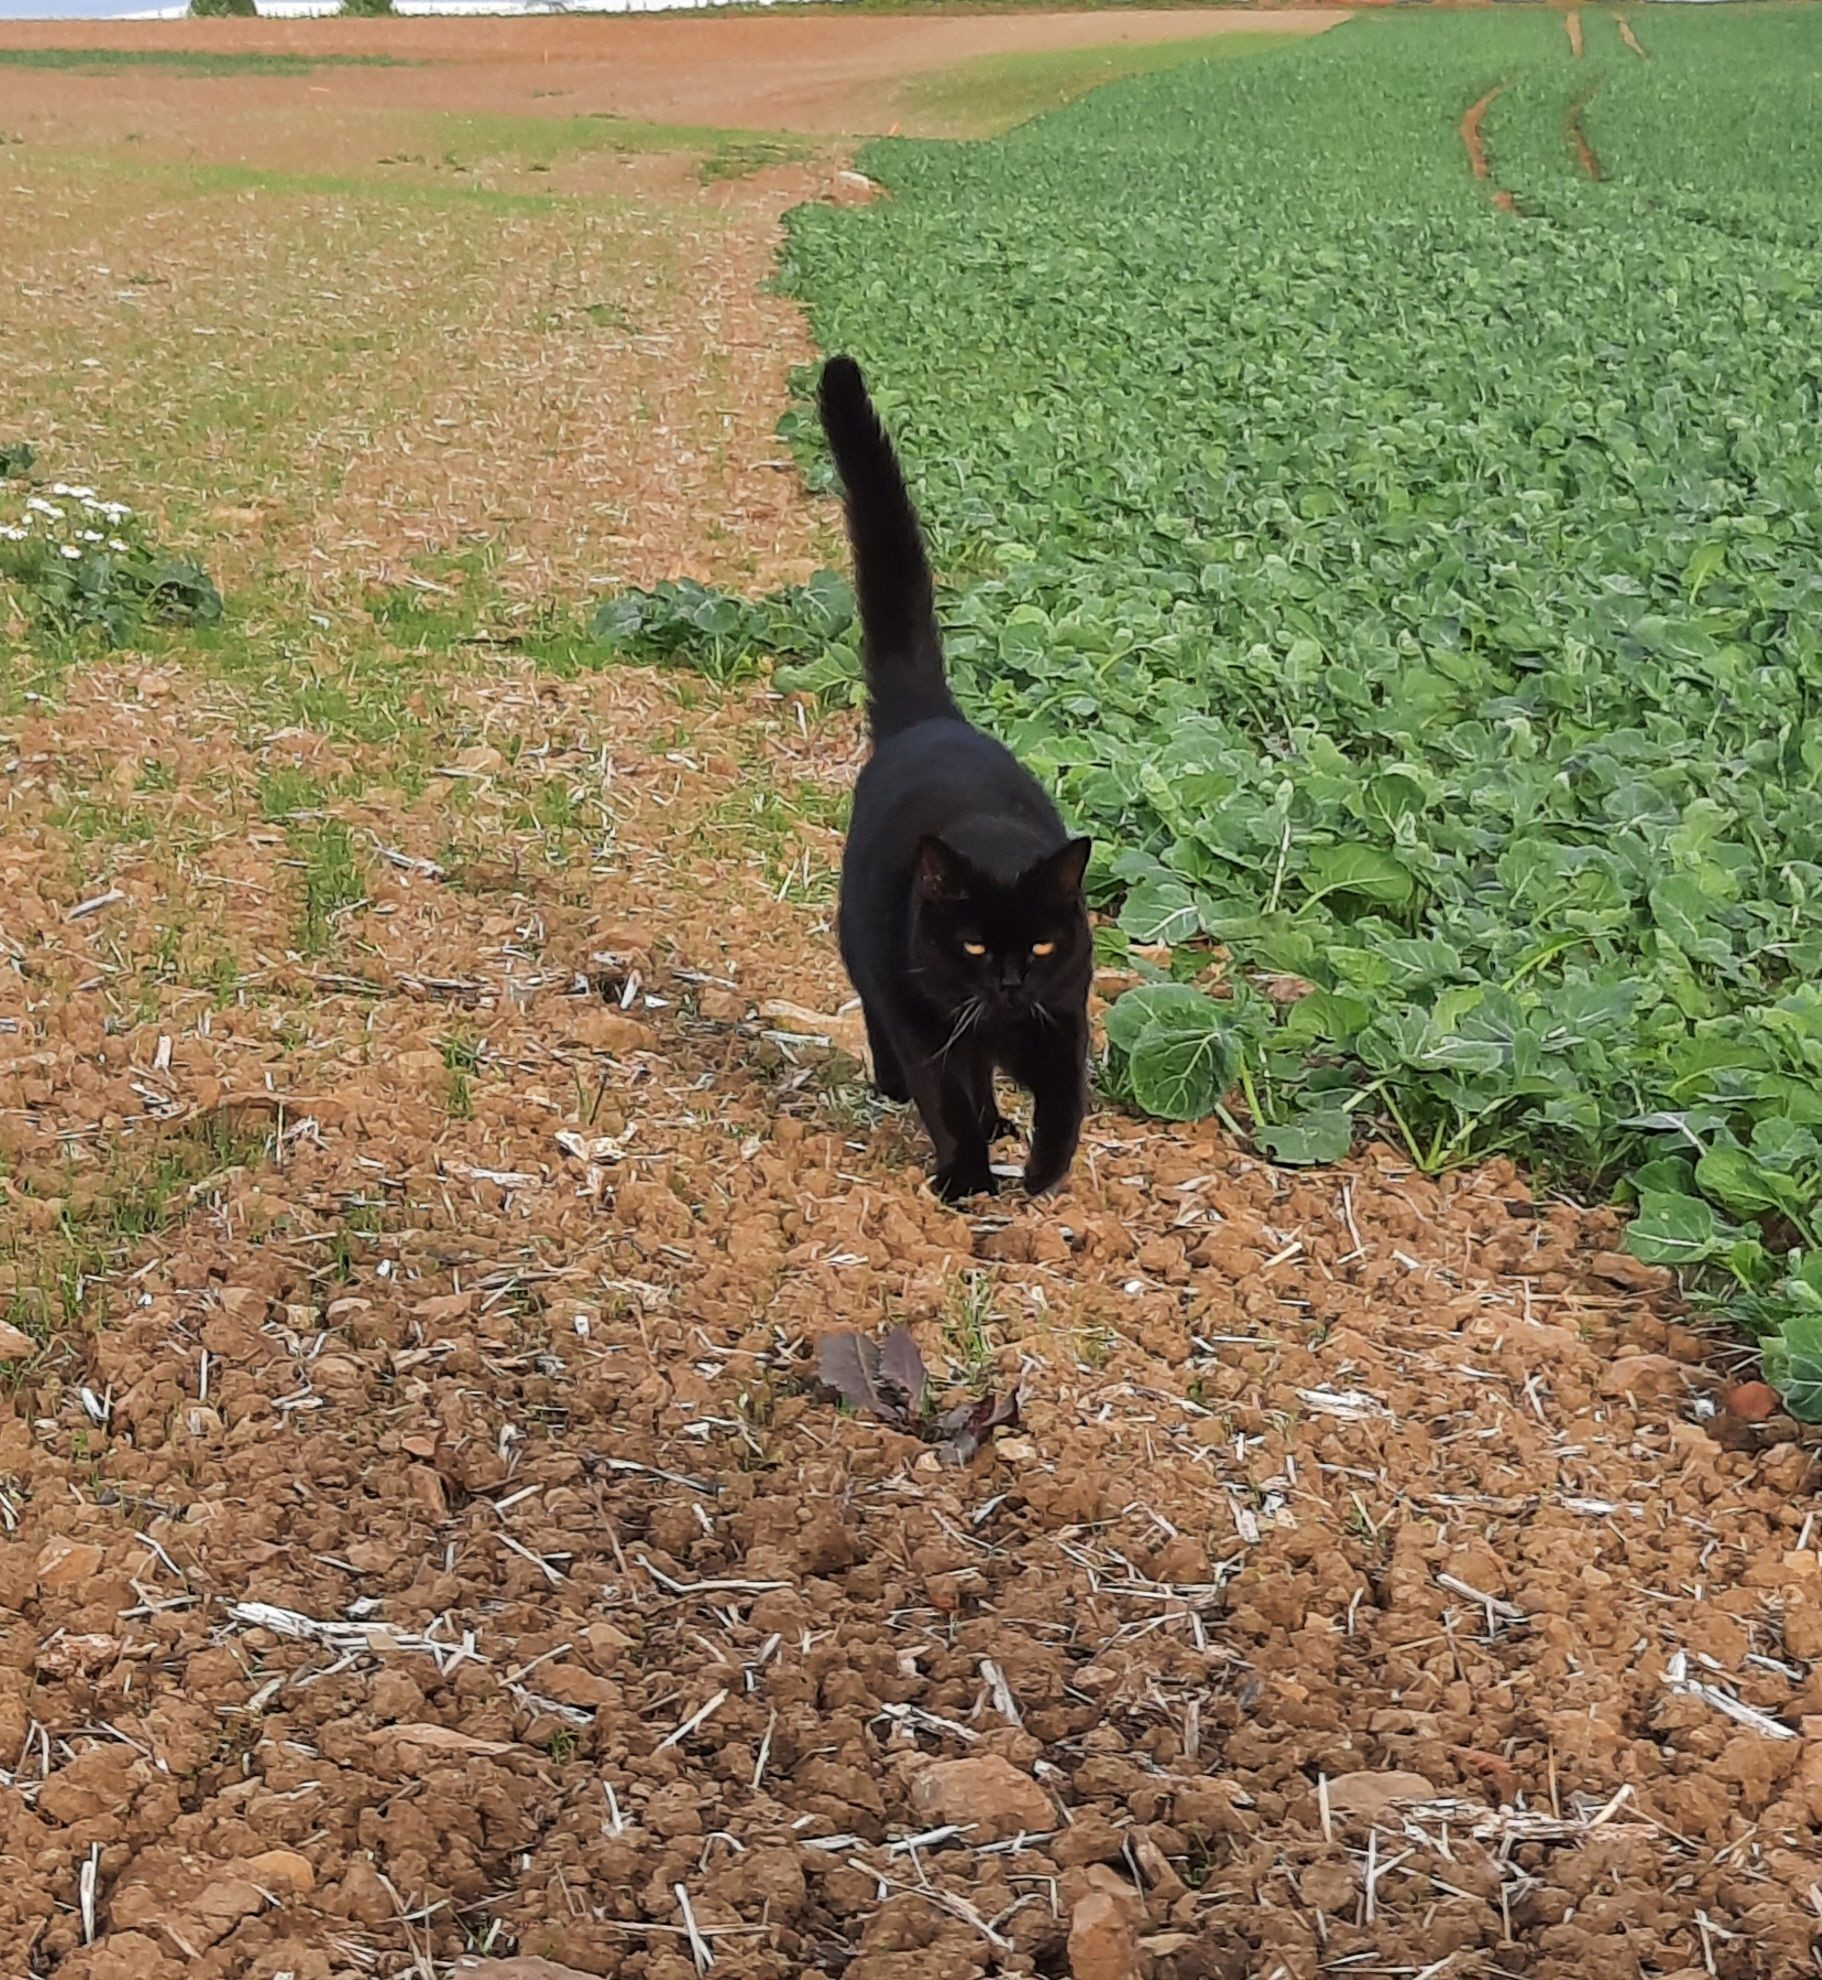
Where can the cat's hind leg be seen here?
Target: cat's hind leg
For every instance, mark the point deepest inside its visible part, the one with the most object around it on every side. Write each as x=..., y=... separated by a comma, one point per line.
x=888, y=1069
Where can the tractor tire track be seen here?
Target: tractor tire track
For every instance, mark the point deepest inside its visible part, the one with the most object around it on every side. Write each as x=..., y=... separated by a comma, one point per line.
x=1584, y=152
x=1476, y=146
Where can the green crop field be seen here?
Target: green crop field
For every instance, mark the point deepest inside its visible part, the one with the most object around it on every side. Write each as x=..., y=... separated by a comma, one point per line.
x=1413, y=578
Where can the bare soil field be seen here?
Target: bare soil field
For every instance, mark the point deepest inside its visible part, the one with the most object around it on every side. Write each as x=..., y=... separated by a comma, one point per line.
x=819, y=73
x=429, y=1160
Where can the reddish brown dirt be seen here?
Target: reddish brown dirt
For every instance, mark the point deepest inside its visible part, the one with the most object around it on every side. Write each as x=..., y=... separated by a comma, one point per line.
x=1572, y=22
x=1471, y=137
x=1476, y=146
x=1632, y=41
x=1350, y=1478
x=816, y=73
x=1584, y=152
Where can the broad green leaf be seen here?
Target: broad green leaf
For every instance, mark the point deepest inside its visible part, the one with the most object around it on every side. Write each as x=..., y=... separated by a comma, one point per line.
x=1321, y=1136
x=1365, y=871
x=1746, y=1186
x=1676, y=1230
x=1168, y=1006
x=1180, y=1074
x=1161, y=910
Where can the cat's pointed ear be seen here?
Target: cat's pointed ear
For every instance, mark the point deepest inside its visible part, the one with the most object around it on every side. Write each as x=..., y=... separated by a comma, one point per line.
x=942, y=874
x=1067, y=867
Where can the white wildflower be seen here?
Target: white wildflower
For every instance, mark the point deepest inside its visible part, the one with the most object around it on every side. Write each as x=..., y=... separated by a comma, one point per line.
x=40, y=507
x=70, y=551
x=114, y=543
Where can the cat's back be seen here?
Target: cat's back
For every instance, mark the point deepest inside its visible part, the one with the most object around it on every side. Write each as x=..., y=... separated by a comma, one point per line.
x=947, y=777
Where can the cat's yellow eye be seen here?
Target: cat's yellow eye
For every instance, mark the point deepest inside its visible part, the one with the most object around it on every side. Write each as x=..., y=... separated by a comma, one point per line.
x=1043, y=948
x=975, y=948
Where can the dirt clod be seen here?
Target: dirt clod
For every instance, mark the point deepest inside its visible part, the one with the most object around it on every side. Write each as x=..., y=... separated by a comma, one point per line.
x=1104, y=1939
x=1621, y=1269
x=1752, y=1402
x=528, y=1968
x=66, y=1564
x=1370, y=1797
x=988, y=1796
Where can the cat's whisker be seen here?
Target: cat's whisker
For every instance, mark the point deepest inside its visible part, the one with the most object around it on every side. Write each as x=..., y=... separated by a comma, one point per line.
x=964, y=1021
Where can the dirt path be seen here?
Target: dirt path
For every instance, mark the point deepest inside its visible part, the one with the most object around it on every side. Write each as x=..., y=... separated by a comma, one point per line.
x=1476, y=146
x=819, y=72
x=1572, y=23
x=1349, y=1476
x=1631, y=40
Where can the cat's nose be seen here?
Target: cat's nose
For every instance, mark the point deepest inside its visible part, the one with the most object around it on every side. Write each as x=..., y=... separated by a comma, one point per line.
x=1011, y=975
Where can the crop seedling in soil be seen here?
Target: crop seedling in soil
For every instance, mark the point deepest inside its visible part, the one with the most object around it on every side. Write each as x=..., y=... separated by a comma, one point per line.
x=461, y=1059
x=332, y=883
x=888, y=1380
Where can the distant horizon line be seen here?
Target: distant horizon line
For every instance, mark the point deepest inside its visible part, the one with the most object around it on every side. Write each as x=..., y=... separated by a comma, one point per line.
x=110, y=10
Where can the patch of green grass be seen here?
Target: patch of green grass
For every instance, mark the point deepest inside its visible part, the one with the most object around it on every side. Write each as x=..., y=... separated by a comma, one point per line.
x=473, y=139
x=333, y=882
x=462, y=1060
x=737, y=156
x=104, y=1214
x=189, y=178
x=188, y=62
x=969, y=1322
x=991, y=95
x=351, y=1242
x=288, y=792
x=97, y=821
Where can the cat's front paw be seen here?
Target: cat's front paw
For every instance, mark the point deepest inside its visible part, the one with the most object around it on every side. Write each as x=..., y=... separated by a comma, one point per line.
x=1046, y=1168
x=957, y=1181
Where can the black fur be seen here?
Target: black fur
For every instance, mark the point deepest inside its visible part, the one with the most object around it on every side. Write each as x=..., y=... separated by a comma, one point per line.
x=954, y=848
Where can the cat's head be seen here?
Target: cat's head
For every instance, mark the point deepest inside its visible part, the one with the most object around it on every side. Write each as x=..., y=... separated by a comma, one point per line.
x=1009, y=946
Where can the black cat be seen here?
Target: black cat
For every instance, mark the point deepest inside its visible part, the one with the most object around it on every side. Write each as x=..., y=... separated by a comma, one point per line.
x=962, y=921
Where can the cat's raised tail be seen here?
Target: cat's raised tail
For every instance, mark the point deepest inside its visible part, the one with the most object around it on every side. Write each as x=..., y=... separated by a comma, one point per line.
x=901, y=648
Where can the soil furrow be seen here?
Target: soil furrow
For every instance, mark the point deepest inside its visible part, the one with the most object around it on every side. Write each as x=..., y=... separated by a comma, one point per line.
x=1578, y=137
x=1475, y=144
